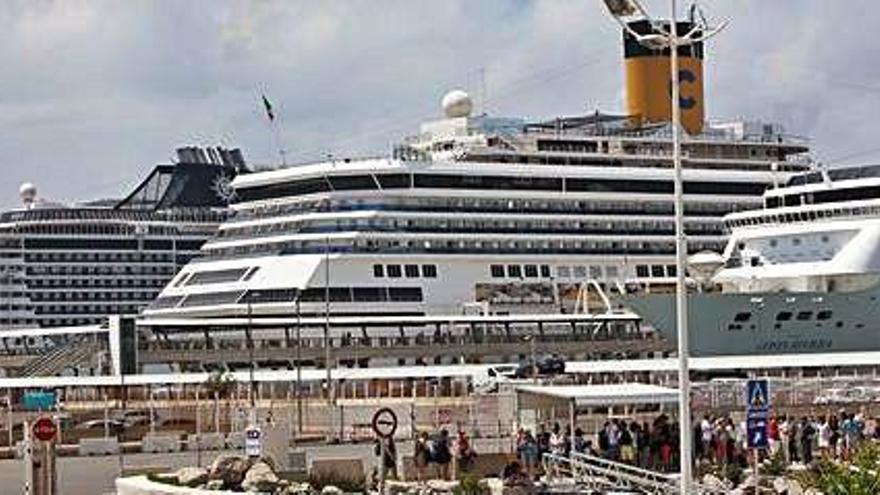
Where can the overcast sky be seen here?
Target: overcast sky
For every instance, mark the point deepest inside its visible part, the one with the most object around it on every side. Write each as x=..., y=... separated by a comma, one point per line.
x=94, y=93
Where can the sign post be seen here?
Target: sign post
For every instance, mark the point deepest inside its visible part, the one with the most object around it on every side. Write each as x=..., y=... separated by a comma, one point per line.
x=384, y=425
x=253, y=442
x=757, y=418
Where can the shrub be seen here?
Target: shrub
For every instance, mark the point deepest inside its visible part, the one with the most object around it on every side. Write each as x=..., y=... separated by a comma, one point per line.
x=859, y=477
x=470, y=485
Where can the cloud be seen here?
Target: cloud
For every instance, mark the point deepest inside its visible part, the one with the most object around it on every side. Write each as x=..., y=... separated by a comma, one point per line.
x=95, y=92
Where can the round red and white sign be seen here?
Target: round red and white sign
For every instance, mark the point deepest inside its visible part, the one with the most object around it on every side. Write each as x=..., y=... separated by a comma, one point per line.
x=45, y=429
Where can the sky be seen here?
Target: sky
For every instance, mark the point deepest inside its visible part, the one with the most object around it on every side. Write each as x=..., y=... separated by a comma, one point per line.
x=94, y=93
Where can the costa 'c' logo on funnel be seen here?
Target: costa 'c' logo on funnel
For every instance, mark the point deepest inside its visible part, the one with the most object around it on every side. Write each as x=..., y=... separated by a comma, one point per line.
x=686, y=101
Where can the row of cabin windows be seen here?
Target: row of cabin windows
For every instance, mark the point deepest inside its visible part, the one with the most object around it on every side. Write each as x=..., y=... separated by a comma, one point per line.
x=520, y=271
x=655, y=271
x=804, y=216
x=411, y=271
x=824, y=314
x=327, y=184
x=716, y=208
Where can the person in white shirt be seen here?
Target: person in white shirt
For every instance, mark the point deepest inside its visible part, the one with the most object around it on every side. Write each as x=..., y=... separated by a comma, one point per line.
x=824, y=437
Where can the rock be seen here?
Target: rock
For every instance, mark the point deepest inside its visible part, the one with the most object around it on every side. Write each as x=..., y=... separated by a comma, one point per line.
x=441, y=486
x=331, y=490
x=191, y=476
x=780, y=485
x=714, y=483
x=229, y=468
x=495, y=486
x=295, y=488
x=260, y=478
x=169, y=478
x=215, y=485
x=400, y=487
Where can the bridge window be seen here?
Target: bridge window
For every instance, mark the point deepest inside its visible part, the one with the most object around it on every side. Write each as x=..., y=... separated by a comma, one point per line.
x=369, y=294
x=405, y=294
x=429, y=271
x=531, y=271
x=393, y=271
x=745, y=316
x=657, y=271
x=642, y=271
x=497, y=271
x=825, y=314
x=514, y=271
x=545, y=271
x=804, y=315
x=378, y=271
x=412, y=271
x=784, y=316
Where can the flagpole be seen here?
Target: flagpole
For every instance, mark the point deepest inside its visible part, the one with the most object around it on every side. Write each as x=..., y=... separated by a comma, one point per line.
x=274, y=129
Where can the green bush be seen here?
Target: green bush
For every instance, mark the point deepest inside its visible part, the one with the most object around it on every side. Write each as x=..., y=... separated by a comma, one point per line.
x=861, y=476
x=470, y=485
x=776, y=466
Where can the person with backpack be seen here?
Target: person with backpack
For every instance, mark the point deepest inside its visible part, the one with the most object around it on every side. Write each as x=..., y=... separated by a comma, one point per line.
x=442, y=454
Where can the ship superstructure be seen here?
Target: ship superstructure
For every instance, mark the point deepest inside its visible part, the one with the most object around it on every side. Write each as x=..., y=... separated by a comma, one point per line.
x=75, y=264
x=799, y=274
x=478, y=214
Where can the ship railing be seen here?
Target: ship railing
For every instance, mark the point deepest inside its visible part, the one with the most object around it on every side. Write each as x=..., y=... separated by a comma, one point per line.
x=584, y=334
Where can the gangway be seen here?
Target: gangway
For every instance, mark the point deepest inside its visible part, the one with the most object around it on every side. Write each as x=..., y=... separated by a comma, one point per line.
x=597, y=473
x=67, y=356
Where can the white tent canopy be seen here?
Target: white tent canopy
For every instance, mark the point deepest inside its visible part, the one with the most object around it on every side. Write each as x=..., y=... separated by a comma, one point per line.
x=605, y=394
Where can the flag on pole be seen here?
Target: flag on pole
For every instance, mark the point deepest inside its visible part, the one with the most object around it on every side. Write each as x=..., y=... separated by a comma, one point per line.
x=269, y=112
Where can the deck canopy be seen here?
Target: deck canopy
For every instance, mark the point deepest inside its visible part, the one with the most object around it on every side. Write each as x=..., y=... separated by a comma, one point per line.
x=599, y=395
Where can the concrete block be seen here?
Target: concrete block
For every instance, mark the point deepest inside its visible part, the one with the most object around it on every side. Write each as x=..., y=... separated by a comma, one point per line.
x=160, y=443
x=206, y=441
x=98, y=446
x=235, y=440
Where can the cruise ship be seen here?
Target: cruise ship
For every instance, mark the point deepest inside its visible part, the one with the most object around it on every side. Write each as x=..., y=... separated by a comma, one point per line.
x=484, y=215
x=64, y=265
x=799, y=275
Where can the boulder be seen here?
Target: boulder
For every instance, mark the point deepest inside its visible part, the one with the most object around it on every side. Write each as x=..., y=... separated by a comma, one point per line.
x=215, y=485
x=295, y=488
x=395, y=487
x=191, y=476
x=780, y=485
x=495, y=486
x=331, y=490
x=229, y=468
x=441, y=486
x=714, y=483
x=260, y=478
x=169, y=478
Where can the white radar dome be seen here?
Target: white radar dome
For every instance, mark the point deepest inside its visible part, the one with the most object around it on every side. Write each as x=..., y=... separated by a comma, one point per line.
x=27, y=192
x=457, y=103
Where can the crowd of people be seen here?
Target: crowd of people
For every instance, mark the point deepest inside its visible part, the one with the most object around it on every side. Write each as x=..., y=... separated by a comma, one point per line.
x=432, y=454
x=717, y=440
x=651, y=445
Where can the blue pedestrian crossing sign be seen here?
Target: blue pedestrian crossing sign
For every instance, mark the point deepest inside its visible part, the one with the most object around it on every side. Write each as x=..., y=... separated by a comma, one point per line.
x=757, y=396
x=756, y=431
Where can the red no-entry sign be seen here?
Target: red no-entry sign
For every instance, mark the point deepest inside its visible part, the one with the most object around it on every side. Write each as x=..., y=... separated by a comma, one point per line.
x=44, y=429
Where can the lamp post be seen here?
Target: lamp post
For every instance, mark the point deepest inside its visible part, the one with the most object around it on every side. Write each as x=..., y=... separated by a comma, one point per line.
x=664, y=37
